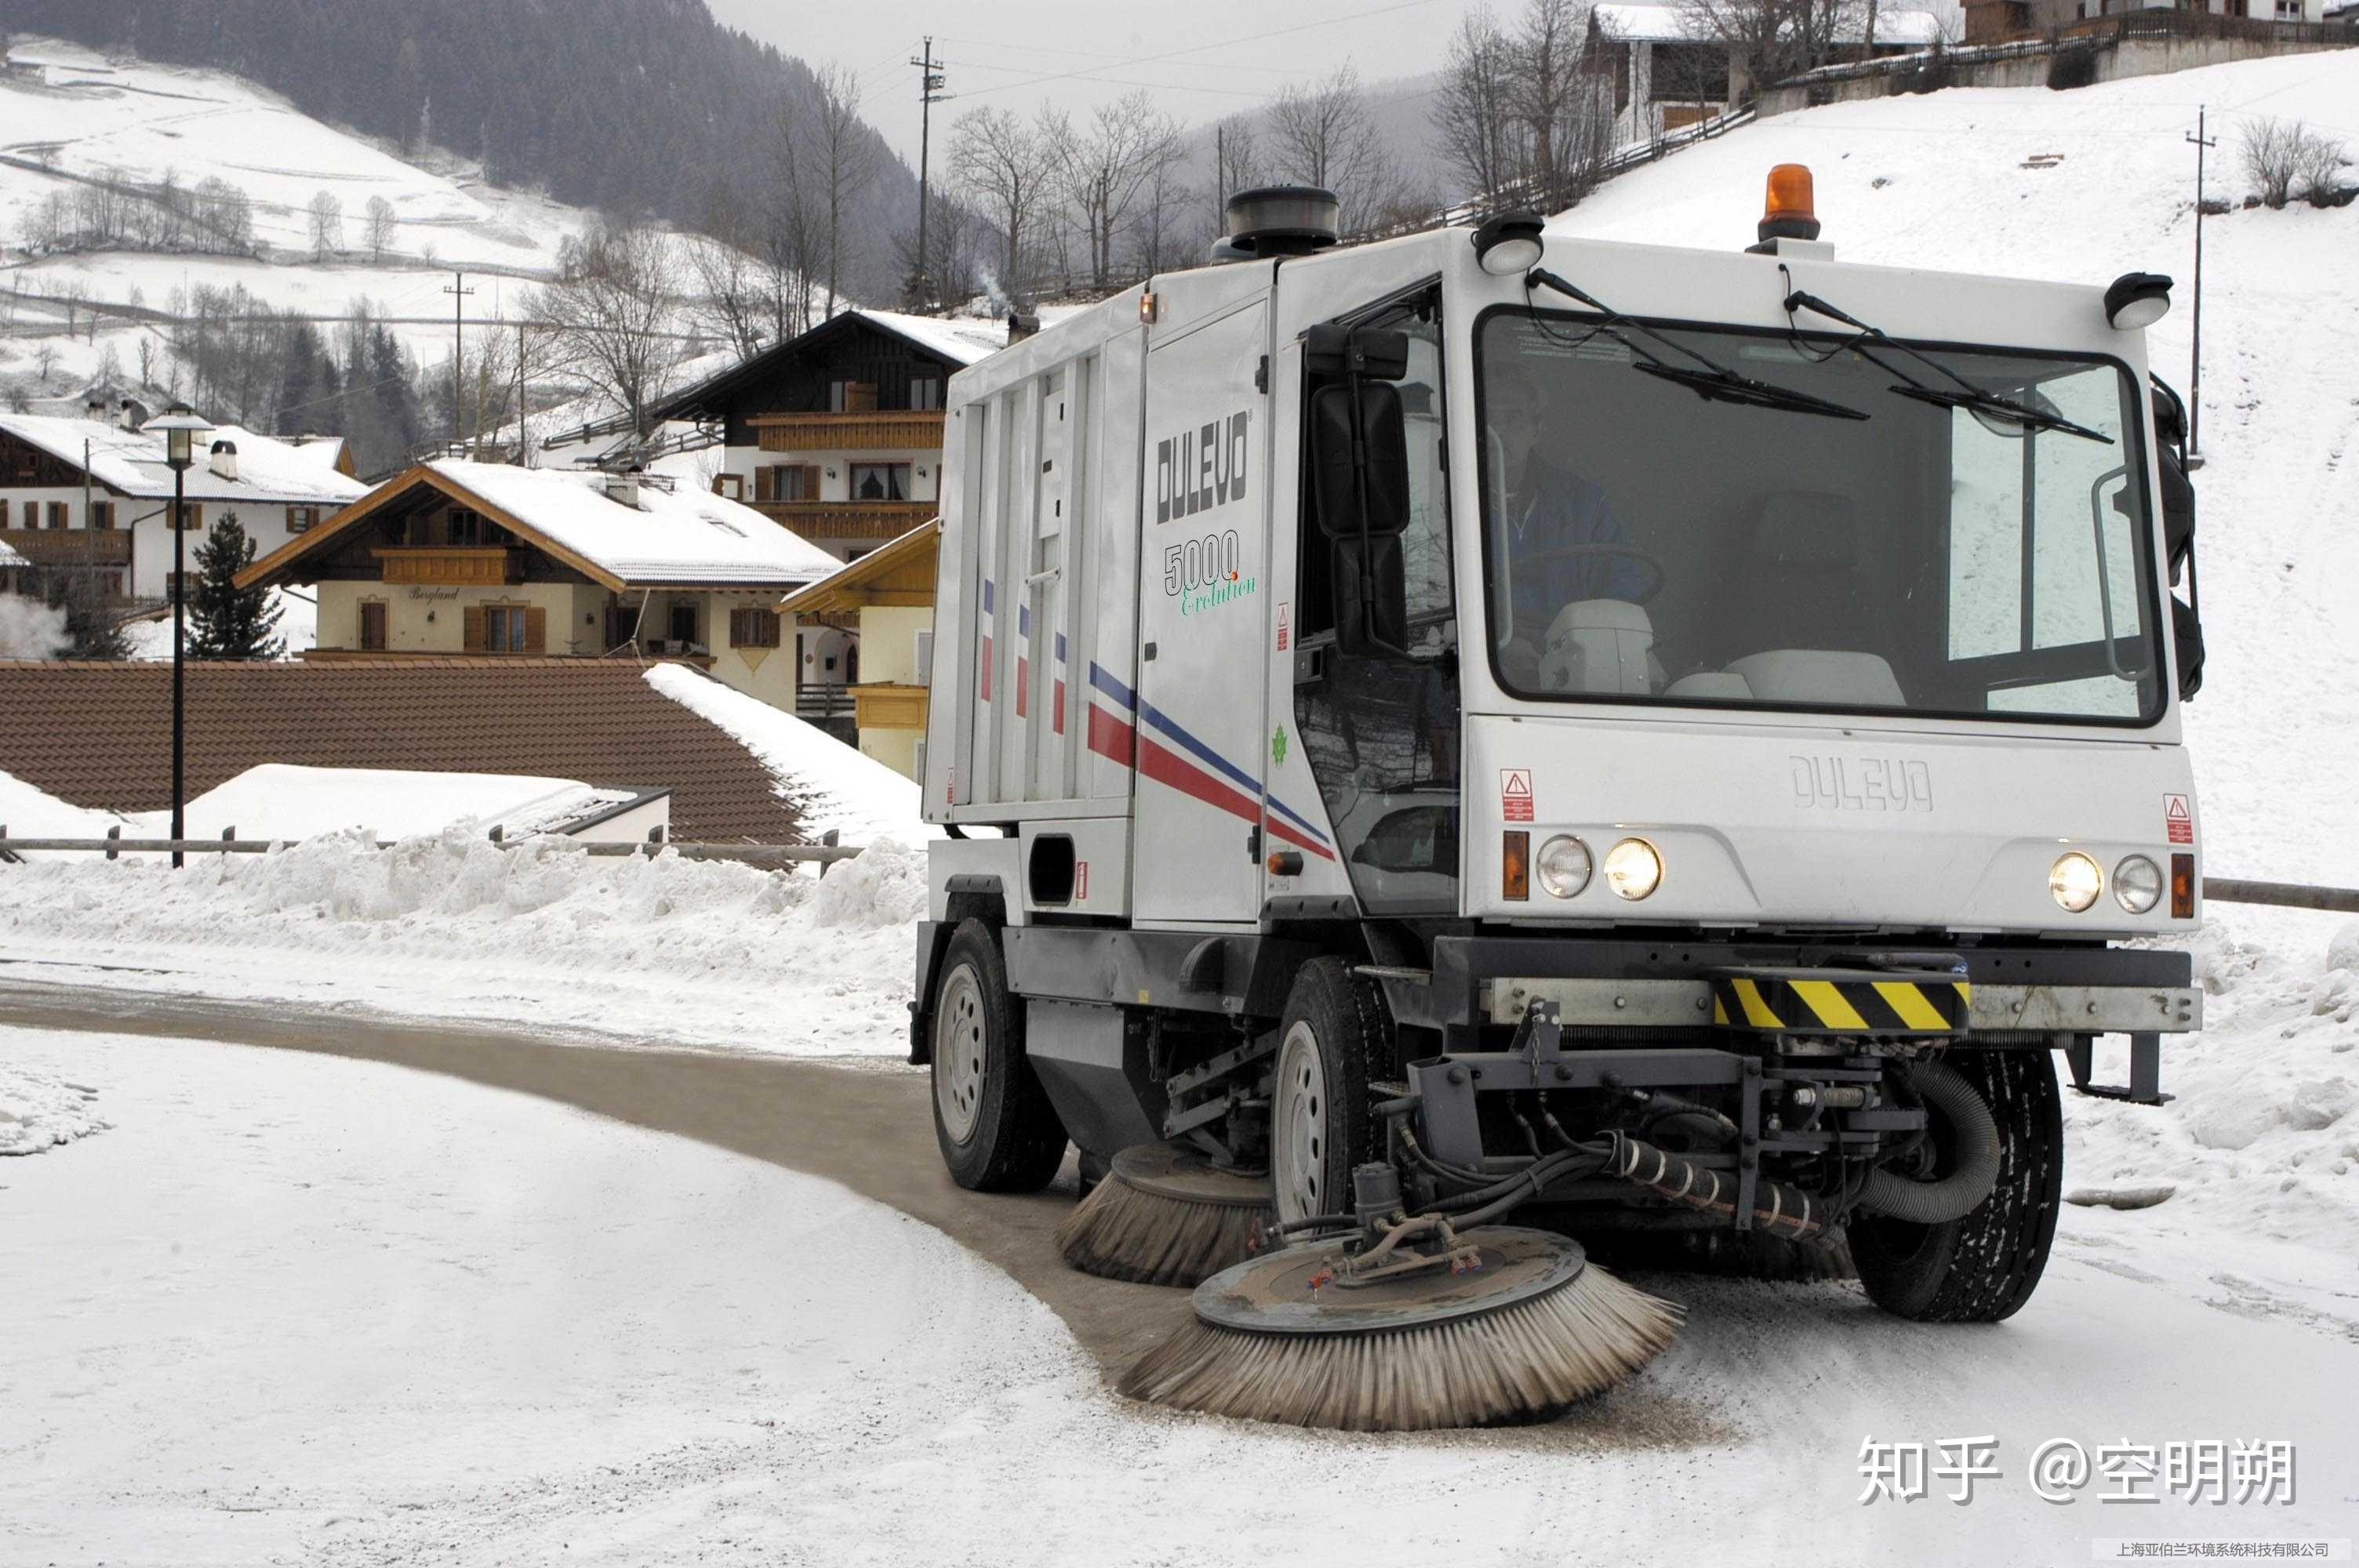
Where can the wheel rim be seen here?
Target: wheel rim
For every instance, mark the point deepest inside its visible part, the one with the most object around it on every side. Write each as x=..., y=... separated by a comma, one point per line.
x=961, y=1072
x=1299, y=1131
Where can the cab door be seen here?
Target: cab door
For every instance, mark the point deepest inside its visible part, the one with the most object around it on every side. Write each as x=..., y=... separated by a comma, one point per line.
x=1203, y=601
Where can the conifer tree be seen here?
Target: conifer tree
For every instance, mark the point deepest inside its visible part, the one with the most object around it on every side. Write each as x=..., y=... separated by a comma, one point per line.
x=224, y=620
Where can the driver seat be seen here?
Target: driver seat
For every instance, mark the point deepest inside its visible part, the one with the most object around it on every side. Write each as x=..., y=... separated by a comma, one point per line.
x=1603, y=646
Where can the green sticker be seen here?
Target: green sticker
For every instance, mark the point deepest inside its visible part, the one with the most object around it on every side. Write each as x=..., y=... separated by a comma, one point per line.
x=1277, y=746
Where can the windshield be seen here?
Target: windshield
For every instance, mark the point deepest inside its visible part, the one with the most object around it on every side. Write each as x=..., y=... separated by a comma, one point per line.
x=1643, y=545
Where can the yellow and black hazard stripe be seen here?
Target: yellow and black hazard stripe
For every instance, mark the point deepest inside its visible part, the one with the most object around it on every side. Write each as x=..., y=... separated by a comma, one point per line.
x=1842, y=1002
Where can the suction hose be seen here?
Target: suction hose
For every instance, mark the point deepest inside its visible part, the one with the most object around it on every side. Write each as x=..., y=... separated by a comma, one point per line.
x=1947, y=1094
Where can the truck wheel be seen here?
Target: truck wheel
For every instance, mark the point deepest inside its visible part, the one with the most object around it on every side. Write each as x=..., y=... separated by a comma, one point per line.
x=1982, y=1268
x=1333, y=1039
x=997, y=1130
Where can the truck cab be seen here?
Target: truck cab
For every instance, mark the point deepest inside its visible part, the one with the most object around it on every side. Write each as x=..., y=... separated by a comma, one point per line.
x=1400, y=699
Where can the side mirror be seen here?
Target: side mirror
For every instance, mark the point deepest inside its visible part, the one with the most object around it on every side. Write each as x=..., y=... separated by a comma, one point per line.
x=1360, y=459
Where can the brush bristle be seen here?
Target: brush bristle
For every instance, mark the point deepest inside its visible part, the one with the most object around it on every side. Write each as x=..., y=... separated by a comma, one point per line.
x=1525, y=1363
x=1121, y=1233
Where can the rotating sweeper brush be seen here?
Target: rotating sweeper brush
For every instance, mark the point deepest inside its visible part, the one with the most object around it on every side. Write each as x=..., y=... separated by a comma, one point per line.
x=1165, y=1216
x=1405, y=1324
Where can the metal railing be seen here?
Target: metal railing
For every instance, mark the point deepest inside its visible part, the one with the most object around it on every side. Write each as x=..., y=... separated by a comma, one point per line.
x=824, y=854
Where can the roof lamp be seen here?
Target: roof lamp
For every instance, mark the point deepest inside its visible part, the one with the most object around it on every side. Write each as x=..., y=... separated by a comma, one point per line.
x=1509, y=243
x=2136, y=300
x=181, y=425
x=1788, y=210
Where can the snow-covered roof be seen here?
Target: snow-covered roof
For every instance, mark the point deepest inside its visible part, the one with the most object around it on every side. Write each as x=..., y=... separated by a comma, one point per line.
x=964, y=340
x=1634, y=24
x=9, y=557
x=681, y=535
x=269, y=471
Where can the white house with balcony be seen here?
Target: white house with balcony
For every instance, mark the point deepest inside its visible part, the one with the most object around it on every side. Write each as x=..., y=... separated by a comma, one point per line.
x=96, y=494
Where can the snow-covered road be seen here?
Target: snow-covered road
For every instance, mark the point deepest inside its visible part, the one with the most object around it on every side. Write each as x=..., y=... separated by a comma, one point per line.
x=288, y=1307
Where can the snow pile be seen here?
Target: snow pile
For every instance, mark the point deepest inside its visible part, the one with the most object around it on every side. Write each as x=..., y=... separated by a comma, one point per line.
x=29, y=812
x=39, y=1111
x=833, y=784
x=676, y=951
x=2262, y=1139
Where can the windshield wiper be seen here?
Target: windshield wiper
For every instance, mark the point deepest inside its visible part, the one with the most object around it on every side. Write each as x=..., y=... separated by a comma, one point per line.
x=1978, y=400
x=1714, y=383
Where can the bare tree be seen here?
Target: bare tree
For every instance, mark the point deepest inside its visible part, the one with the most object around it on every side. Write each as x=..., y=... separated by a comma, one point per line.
x=1476, y=121
x=1160, y=233
x=732, y=295
x=379, y=222
x=1772, y=39
x=1103, y=169
x=1003, y=164
x=45, y=361
x=1550, y=95
x=793, y=233
x=1324, y=136
x=2322, y=158
x=956, y=235
x=327, y=225
x=841, y=153
x=2272, y=156
x=1238, y=160
x=612, y=296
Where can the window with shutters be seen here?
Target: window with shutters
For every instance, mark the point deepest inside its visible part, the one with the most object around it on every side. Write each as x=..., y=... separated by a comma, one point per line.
x=301, y=519
x=57, y=514
x=754, y=628
x=192, y=517
x=101, y=514
x=373, y=613
x=682, y=621
x=504, y=628
x=729, y=486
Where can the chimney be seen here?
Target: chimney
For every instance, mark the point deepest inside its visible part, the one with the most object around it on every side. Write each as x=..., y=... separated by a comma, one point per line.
x=623, y=488
x=225, y=460
x=1021, y=326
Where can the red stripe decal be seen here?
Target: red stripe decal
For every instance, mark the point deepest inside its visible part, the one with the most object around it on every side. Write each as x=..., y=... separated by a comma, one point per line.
x=986, y=669
x=1023, y=684
x=1109, y=736
x=1060, y=715
x=1166, y=768
x=1278, y=829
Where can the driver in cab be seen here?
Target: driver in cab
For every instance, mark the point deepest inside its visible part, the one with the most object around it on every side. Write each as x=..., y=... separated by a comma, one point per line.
x=1549, y=515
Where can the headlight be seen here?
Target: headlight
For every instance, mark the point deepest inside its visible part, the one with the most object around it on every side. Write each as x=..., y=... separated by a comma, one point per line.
x=2075, y=881
x=1564, y=866
x=2137, y=884
x=1632, y=870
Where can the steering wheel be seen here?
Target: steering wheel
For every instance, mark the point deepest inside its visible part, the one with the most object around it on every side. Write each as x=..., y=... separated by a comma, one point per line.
x=1656, y=576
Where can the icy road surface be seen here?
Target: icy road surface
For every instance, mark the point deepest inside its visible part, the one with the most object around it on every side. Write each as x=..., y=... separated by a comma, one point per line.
x=289, y=1307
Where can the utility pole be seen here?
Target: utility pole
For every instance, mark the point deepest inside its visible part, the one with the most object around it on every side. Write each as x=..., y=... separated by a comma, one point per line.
x=2195, y=358
x=458, y=292
x=522, y=461
x=930, y=93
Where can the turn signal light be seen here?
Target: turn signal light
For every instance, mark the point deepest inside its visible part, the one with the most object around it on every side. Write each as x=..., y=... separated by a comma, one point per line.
x=1515, y=866
x=2183, y=887
x=1285, y=862
x=1789, y=211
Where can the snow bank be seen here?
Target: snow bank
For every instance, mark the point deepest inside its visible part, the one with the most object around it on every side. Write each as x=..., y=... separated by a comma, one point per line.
x=39, y=1111
x=833, y=785
x=676, y=952
x=29, y=812
x=2261, y=1139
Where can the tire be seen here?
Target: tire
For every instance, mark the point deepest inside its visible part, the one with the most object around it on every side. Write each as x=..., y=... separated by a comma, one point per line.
x=1982, y=1268
x=1333, y=1040
x=997, y=1130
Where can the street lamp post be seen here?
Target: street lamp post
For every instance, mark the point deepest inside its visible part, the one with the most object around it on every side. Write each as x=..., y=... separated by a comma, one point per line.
x=181, y=425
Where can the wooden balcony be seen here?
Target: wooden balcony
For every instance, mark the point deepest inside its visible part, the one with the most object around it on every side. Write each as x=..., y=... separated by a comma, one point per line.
x=849, y=519
x=80, y=547
x=886, y=705
x=450, y=566
x=887, y=430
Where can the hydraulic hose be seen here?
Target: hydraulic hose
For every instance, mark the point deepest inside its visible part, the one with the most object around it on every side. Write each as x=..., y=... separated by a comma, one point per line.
x=1779, y=1210
x=1975, y=1147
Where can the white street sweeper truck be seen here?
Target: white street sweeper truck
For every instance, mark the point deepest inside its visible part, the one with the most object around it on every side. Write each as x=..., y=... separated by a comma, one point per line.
x=1654, y=738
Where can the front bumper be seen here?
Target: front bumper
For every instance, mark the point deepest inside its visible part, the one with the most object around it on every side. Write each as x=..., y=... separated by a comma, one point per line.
x=1990, y=1009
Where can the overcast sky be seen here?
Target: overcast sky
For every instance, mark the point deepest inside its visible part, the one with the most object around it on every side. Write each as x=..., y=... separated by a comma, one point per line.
x=1204, y=59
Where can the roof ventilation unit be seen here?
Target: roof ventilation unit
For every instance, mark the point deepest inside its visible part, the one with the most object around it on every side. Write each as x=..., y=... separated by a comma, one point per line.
x=224, y=457
x=1277, y=220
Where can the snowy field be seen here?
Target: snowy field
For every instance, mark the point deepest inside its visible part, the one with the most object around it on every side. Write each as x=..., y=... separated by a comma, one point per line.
x=295, y=1308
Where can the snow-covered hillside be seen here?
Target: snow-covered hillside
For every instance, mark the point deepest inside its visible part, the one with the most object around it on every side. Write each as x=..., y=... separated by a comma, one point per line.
x=70, y=117
x=2087, y=185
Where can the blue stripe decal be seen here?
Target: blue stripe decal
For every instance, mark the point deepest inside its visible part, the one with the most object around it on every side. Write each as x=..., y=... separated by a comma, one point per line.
x=1060, y=646
x=1024, y=621
x=986, y=596
x=1158, y=719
